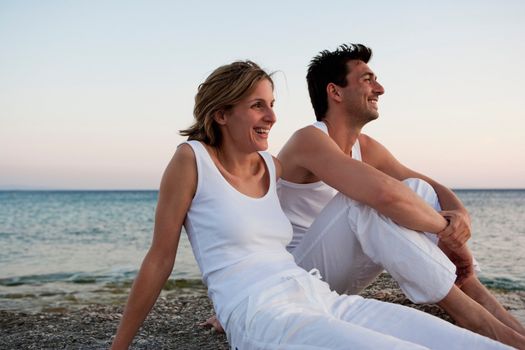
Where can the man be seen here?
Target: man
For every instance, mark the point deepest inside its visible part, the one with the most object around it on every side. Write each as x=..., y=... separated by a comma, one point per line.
x=353, y=216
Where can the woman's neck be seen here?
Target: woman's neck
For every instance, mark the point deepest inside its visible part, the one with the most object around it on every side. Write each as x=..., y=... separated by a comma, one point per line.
x=237, y=163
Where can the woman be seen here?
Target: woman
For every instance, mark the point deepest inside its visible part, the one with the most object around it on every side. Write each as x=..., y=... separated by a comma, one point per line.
x=221, y=186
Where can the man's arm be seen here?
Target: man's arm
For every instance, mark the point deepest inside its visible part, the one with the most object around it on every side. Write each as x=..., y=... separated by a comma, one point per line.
x=459, y=229
x=311, y=149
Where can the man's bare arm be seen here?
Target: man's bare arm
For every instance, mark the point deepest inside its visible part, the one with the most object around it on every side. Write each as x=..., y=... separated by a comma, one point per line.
x=459, y=229
x=311, y=149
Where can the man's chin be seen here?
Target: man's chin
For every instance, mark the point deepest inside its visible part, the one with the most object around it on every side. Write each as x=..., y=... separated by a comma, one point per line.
x=372, y=116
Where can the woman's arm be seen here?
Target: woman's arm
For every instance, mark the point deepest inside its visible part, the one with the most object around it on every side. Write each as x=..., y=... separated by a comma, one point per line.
x=177, y=189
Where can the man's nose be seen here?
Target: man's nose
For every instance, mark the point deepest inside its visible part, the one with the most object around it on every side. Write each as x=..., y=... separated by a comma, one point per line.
x=379, y=89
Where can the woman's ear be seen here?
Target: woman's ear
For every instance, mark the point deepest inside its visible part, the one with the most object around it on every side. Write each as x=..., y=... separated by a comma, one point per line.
x=220, y=117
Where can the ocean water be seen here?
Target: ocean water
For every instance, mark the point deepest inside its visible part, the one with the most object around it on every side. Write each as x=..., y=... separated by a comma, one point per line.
x=62, y=249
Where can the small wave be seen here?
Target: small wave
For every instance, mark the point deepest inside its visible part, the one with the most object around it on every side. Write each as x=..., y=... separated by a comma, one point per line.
x=502, y=283
x=31, y=294
x=33, y=279
x=19, y=296
x=67, y=277
x=88, y=232
x=183, y=283
x=113, y=283
x=4, y=234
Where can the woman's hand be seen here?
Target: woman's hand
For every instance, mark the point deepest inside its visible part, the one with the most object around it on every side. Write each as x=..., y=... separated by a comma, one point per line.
x=213, y=323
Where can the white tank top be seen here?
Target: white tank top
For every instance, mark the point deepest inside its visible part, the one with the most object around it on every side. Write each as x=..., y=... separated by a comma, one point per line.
x=303, y=202
x=238, y=241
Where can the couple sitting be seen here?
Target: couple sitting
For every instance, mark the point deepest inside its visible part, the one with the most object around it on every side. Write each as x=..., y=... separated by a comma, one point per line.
x=351, y=213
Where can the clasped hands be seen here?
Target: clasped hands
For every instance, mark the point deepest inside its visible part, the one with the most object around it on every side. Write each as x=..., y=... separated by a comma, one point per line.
x=452, y=241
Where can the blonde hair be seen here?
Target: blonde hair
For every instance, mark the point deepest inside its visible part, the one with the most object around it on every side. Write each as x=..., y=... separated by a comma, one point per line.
x=221, y=90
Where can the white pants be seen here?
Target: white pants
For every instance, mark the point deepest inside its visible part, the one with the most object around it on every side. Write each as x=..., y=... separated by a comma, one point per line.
x=351, y=244
x=302, y=313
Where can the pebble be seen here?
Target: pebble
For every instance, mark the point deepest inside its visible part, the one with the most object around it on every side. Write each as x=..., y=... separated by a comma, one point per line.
x=172, y=323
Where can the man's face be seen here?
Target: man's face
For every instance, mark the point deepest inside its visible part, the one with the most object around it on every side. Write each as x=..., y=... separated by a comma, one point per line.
x=361, y=94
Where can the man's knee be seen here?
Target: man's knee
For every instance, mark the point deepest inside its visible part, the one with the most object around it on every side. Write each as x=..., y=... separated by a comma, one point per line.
x=341, y=199
x=424, y=190
x=418, y=185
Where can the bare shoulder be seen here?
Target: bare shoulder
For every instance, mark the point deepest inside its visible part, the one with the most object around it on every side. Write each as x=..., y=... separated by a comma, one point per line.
x=307, y=140
x=183, y=159
x=278, y=167
x=308, y=132
x=367, y=141
x=177, y=189
x=372, y=151
x=184, y=153
x=303, y=146
x=181, y=170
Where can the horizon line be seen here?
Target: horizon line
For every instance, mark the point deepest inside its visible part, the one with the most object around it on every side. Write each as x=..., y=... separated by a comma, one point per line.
x=156, y=189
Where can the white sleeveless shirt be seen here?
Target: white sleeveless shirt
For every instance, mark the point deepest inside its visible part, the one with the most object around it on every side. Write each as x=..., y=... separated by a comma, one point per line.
x=238, y=241
x=303, y=202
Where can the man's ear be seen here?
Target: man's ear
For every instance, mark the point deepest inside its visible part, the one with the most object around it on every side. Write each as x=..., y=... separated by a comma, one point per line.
x=220, y=117
x=333, y=92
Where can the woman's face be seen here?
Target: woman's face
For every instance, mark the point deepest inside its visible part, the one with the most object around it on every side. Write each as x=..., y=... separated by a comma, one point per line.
x=248, y=123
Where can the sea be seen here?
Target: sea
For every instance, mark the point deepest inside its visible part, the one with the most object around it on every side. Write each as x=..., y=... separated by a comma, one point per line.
x=66, y=249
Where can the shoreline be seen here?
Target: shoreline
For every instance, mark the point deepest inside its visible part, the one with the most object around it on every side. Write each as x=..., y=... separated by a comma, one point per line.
x=172, y=323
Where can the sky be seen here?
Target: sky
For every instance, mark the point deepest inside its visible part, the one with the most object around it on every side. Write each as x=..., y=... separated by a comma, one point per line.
x=93, y=93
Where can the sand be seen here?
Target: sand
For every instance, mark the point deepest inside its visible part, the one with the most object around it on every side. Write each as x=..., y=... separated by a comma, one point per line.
x=172, y=324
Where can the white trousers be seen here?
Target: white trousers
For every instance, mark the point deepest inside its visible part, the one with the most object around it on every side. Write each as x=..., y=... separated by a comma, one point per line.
x=301, y=313
x=351, y=244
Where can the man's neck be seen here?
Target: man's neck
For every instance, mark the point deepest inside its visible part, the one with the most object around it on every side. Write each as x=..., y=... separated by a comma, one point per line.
x=341, y=130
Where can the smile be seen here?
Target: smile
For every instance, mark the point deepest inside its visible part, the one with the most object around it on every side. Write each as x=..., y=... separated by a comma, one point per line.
x=262, y=131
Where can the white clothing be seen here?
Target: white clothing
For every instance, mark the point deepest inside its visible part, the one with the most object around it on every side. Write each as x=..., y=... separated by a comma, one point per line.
x=229, y=240
x=351, y=244
x=265, y=301
x=303, y=202
x=301, y=313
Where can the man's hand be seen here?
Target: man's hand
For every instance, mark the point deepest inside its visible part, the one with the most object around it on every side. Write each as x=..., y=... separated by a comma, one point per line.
x=213, y=323
x=462, y=258
x=457, y=232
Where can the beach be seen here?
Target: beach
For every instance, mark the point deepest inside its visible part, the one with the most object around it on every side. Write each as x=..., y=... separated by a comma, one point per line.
x=69, y=258
x=172, y=324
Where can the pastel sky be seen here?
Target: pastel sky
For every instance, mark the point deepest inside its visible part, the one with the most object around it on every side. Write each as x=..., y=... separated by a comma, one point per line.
x=93, y=93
